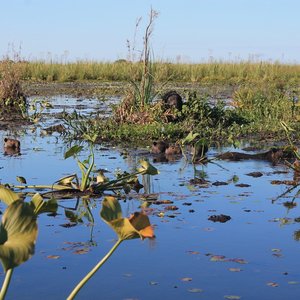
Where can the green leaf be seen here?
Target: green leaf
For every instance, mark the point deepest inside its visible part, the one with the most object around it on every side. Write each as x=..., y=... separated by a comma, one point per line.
x=18, y=233
x=73, y=151
x=190, y=138
x=124, y=229
x=111, y=209
x=21, y=179
x=7, y=196
x=90, y=137
x=137, y=226
x=147, y=168
x=40, y=206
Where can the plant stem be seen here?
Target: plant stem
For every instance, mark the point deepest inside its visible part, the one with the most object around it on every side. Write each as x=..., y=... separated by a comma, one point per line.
x=52, y=187
x=94, y=270
x=5, y=284
x=102, y=187
x=86, y=175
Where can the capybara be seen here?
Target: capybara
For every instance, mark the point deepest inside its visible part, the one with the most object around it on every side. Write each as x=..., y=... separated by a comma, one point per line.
x=172, y=99
x=173, y=150
x=159, y=147
x=11, y=143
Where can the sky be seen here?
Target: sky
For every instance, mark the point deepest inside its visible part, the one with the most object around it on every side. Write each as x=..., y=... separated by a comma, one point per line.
x=187, y=31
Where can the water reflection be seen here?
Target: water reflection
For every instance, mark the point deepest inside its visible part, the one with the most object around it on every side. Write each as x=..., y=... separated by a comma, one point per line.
x=185, y=238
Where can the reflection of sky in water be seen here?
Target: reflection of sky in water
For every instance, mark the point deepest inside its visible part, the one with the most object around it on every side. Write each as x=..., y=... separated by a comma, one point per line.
x=185, y=238
x=68, y=104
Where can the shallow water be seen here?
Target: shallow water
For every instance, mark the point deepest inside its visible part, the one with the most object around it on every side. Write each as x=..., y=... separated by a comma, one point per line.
x=254, y=255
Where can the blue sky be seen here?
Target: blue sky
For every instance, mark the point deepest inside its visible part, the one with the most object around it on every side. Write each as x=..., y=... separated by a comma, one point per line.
x=186, y=30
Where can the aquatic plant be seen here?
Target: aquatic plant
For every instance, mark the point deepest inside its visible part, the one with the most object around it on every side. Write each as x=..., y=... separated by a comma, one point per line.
x=139, y=95
x=136, y=226
x=18, y=230
x=199, y=146
x=264, y=105
x=289, y=131
x=87, y=185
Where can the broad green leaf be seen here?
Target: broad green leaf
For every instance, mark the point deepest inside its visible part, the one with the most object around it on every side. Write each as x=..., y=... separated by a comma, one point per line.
x=111, y=209
x=39, y=205
x=21, y=179
x=124, y=229
x=90, y=138
x=37, y=202
x=147, y=168
x=73, y=151
x=190, y=138
x=18, y=233
x=137, y=226
x=8, y=196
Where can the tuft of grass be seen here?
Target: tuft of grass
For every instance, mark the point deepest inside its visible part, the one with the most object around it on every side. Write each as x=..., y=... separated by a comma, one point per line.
x=12, y=98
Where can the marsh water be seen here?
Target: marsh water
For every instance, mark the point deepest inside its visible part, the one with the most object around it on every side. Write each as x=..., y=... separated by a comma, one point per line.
x=253, y=255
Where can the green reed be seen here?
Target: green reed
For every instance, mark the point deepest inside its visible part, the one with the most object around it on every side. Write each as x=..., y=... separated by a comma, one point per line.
x=122, y=70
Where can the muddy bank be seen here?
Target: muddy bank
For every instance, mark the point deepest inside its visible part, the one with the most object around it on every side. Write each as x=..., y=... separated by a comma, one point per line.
x=98, y=89
x=76, y=89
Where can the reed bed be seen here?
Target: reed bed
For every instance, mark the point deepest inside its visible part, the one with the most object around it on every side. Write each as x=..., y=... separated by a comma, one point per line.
x=211, y=72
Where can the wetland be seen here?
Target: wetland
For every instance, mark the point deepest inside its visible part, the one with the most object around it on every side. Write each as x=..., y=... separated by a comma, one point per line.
x=224, y=229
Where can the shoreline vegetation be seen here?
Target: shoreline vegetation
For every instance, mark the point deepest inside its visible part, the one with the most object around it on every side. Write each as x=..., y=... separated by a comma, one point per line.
x=124, y=71
x=260, y=94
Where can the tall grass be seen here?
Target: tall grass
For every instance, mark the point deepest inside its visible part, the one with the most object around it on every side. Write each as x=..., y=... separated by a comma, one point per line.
x=12, y=98
x=212, y=72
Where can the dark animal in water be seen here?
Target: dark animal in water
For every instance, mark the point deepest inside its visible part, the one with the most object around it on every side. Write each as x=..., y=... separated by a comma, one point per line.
x=274, y=155
x=173, y=150
x=172, y=99
x=11, y=143
x=219, y=218
x=11, y=146
x=159, y=147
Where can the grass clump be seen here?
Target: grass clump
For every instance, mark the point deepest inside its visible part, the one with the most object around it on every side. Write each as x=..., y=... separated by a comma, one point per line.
x=255, y=110
x=139, y=95
x=12, y=99
x=266, y=105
